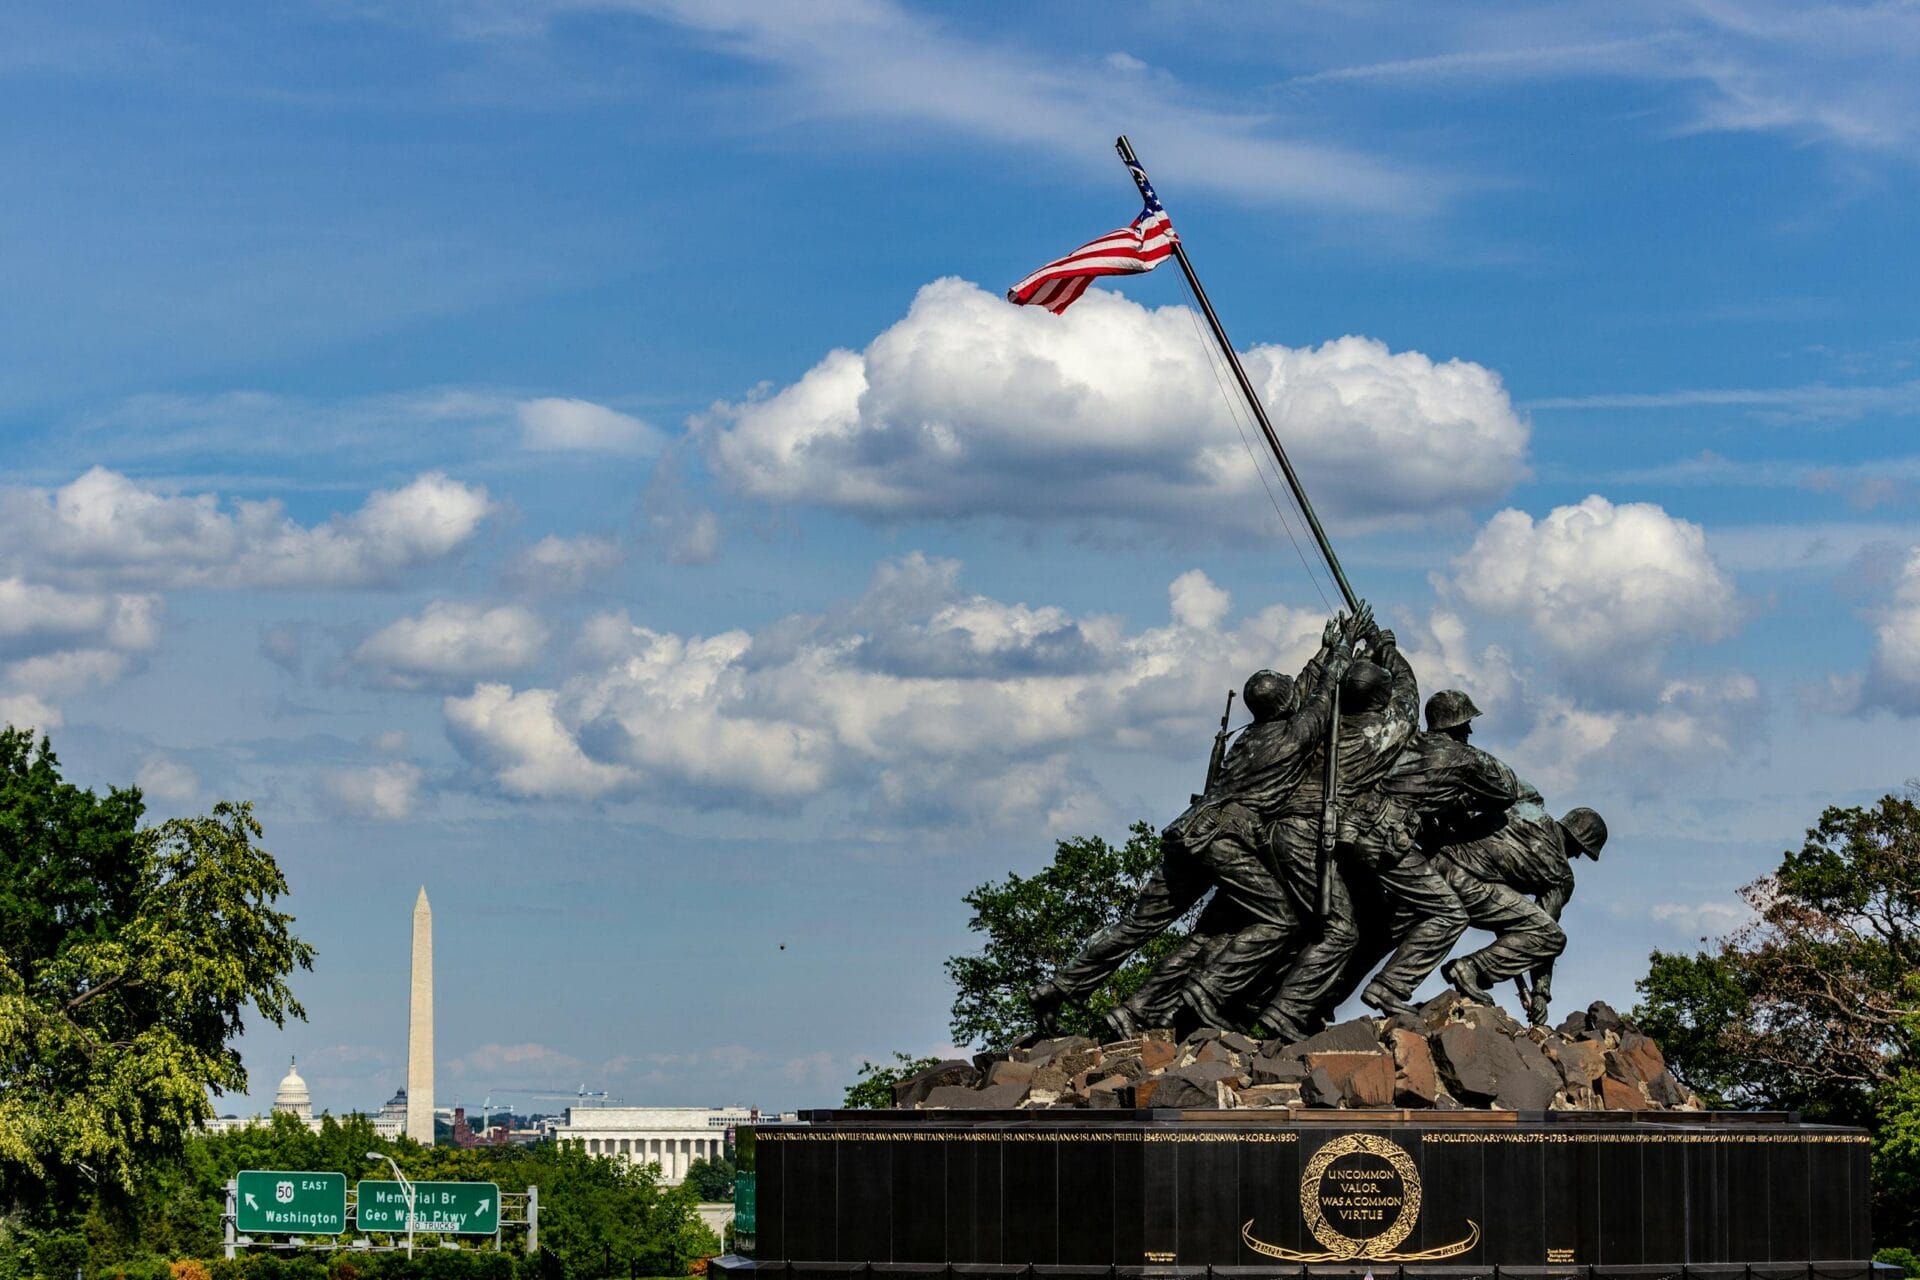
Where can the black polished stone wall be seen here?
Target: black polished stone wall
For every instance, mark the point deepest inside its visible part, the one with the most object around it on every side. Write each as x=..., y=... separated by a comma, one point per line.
x=1569, y=1191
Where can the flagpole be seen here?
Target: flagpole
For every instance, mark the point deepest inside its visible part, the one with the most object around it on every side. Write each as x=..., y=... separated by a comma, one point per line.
x=1132, y=161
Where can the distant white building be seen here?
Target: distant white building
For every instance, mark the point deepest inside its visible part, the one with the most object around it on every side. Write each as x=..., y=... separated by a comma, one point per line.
x=671, y=1137
x=392, y=1120
x=290, y=1099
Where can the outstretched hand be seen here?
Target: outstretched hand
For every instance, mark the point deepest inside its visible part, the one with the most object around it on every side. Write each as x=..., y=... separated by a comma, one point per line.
x=1361, y=626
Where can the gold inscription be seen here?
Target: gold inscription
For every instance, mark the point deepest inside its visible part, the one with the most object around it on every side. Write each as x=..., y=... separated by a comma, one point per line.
x=914, y=1135
x=1360, y=1180
x=1159, y=1255
x=1559, y=1255
x=1637, y=1138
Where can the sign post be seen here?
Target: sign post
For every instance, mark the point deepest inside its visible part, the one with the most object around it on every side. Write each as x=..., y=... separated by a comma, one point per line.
x=450, y=1208
x=290, y=1203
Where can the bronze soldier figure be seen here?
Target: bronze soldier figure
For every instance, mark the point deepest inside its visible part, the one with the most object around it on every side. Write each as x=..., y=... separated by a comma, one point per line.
x=1379, y=701
x=1217, y=845
x=1511, y=871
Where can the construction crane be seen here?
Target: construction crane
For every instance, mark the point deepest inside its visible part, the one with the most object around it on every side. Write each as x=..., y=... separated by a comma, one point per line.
x=582, y=1097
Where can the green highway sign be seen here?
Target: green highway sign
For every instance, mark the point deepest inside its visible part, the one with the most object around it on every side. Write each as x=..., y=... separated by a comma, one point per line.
x=462, y=1208
x=313, y=1204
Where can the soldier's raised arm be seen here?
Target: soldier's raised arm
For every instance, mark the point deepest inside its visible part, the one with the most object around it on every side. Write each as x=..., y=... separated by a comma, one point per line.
x=1310, y=723
x=1403, y=698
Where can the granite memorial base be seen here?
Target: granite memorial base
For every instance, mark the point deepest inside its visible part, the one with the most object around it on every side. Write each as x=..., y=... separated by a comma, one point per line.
x=1598, y=1195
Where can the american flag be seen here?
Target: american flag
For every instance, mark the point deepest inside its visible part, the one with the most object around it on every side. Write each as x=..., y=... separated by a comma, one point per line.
x=1126, y=251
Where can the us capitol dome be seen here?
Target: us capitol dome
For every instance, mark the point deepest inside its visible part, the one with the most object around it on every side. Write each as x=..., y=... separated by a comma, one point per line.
x=291, y=1098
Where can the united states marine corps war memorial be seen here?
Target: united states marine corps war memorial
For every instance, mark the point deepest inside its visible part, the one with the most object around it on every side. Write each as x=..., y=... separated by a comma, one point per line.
x=1350, y=841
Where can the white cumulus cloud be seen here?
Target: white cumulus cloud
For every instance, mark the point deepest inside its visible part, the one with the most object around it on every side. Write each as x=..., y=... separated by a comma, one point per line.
x=1892, y=679
x=1688, y=723
x=449, y=643
x=106, y=528
x=932, y=704
x=556, y=425
x=1606, y=589
x=165, y=778
x=1564, y=741
x=556, y=565
x=521, y=741
x=56, y=643
x=381, y=792
x=971, y=406
x=36, y=616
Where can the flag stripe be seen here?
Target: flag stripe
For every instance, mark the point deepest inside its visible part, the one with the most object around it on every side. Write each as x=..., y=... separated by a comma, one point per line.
x=1123, y=251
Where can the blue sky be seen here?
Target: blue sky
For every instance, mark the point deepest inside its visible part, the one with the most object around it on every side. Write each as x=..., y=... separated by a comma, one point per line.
x=575, y=456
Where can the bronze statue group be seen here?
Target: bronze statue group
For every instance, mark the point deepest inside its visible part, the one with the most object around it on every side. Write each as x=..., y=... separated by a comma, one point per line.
x=1340, y=840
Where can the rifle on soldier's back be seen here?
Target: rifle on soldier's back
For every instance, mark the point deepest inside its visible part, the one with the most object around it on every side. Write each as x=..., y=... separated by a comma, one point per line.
x=1218, y=760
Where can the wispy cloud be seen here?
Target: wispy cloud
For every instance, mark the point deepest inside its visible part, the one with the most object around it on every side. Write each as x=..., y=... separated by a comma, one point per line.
x=878, y=61
x=1844, y=76
x=1883, y=482
x=1519, y=61
x=1811, y=402
x=1767, y=548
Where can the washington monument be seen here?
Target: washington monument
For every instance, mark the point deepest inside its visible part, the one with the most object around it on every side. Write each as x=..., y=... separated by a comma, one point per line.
x=420, y=1027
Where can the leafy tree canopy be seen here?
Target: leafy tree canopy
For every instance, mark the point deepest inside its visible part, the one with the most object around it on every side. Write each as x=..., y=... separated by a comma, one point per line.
x=1034, y=924
x=873, y=1086
x=598, y=1216
x=127, y=958
x=1815, y=1005
x=712, y=1180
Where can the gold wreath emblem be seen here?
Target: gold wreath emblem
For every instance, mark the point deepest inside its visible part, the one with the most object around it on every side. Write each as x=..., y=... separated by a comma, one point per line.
x=1340, y=1247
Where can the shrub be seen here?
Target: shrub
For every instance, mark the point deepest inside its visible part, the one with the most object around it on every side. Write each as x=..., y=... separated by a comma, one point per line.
x=1905, y=1259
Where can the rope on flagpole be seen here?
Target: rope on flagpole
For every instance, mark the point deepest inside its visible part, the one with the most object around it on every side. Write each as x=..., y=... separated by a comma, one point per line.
x=1260, y=465
x=1227, y=352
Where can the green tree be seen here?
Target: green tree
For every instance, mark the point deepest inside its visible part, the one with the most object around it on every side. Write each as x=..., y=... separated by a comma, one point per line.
x=712, y=1180
x=1815, y=1005
x=872, y=1087
x=1034, y=924
x=127, y=958
x=606, y=1217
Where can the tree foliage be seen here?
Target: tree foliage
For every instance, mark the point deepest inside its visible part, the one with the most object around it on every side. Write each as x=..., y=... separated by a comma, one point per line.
x=128, y=956
x=1034, y=924
x=872, y=1087
x=1815, y=1005
x=598, y=1216
x=712, y=1179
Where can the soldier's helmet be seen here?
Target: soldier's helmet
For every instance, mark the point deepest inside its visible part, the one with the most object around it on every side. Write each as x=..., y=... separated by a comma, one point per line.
x=1448, y=708
x=1366, y=687
x=1267, y=694
x=1586, y=829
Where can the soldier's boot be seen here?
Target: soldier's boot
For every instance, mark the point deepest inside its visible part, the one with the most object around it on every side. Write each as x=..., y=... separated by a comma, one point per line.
x=1120, y=1024
x=1378, y=998
x=1466, y=980
x=1282, y=1028
x=1206, y=1009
